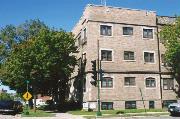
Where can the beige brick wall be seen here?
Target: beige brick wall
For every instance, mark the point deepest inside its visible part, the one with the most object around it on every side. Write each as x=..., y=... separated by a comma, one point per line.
x=92, y=18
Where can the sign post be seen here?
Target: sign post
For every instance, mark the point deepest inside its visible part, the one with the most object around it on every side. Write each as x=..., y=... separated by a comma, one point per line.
x=27, y=96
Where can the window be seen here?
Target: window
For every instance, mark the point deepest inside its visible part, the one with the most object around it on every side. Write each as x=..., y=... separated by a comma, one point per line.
x=166, y=103
x=130, y=104
x=151, y=104
x=84, y=36
x=129, y=81
x=168, y=83
x=106, y=55
x=150, y=82
x=148, y=33
x=107, y=105
x=148, y=57
x=128, y=55
x=106, y=30
x=107, y=82
x=79, y=41
x=84, y=85
x=127, y=30
x=163, y=61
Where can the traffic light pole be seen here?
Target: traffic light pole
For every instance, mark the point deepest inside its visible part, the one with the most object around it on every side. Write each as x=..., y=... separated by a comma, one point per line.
x=98, y=113
x=98, y=84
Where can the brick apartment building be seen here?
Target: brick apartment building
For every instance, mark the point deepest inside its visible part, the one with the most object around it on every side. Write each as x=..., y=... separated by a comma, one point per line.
x=132, y=55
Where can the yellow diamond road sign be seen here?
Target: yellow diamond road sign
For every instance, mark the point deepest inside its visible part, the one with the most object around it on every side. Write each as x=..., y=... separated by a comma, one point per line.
x=27, y=96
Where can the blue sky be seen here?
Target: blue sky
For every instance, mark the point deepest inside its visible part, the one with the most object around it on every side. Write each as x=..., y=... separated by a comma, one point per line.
x=65, y=13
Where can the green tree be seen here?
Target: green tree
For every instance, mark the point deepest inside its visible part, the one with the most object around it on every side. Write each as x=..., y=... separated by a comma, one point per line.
x=170, y=34
x=11, y=35
x=46, y=60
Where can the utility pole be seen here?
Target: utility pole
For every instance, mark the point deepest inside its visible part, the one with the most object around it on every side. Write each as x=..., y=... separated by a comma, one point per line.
x=98, y=98
x=27, y=103
x=98, y=85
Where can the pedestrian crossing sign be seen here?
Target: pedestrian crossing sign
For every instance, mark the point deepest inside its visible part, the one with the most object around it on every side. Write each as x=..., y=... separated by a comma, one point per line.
x=27, y=96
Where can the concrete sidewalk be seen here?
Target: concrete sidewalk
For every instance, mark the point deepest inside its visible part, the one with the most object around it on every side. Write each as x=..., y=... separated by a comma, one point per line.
x=58, y=116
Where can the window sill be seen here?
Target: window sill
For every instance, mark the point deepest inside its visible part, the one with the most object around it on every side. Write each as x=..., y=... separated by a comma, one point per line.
x=130, y=86
x=106, y=36
x=168, y=89
x=162, y=65
x=148, y=38
x=127, y=35
x=107, y=61
x=129, y=60
x=149, y=63
x=151, y=87
x=106, y=88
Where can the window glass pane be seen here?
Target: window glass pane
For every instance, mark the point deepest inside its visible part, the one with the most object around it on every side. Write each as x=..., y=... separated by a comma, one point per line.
x=109, y=31
x=129, y=81
x=110, y=83
x=153, y=83
x=171, y=84
x=79, y=40
x=103, y=83
x=103, y=55
x=144, y=33
x=151, y=57
x=105, y=30
x=109, y=55
x=145, y=56
x=151, y=104
x=127, y=31
x=147, y=33
x=150, y=33
x=107, y=105
x=107, y=82
x=131, y=56
x=168, y=83
x=106, y=55
x=165, y=87
x=150, y=82
x=148, y=57
x=128, y=55
x=130, y=104
x=162, y=58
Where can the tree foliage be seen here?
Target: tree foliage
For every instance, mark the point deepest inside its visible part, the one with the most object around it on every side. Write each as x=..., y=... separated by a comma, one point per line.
x=45, y=58
x=170, y=34
x=11, y=35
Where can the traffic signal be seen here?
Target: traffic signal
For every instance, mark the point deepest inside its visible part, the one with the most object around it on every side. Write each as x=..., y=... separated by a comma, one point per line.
x=101, y=74
x=94, y=73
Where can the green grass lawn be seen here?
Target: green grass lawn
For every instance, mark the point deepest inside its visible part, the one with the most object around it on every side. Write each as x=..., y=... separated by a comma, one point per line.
x=115, y=112
x=38, y=113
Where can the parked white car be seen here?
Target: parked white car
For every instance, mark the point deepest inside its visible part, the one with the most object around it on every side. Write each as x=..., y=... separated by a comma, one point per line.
x=39, y=102
x=174, y=108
